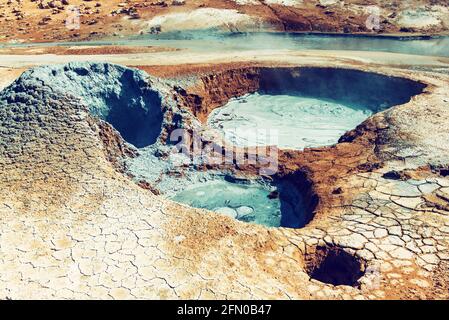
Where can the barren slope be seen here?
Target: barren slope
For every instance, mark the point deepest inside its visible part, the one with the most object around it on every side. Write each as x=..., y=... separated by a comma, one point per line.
x=44, y=20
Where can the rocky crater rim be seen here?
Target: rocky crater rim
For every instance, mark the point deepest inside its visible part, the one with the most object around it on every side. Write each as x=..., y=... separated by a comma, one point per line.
x=118, y=95
x=125, y=98
x=374, y=91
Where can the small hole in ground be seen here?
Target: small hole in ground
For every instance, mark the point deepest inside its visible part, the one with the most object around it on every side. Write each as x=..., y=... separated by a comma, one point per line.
x=335, y=266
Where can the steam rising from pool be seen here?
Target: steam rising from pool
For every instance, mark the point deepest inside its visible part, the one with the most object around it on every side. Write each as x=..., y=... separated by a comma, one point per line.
x=300, y=122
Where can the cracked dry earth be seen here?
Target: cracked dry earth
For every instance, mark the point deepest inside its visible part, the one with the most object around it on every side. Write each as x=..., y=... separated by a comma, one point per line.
x=73, y=226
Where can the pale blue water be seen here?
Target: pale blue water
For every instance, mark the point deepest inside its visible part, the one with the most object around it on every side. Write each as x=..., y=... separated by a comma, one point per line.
x=221, y=41
x=210, y=41
x=289, y=121
x=280, y=204
x=245, y=202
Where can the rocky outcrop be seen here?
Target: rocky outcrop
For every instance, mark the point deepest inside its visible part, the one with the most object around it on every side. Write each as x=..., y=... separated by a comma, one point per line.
x=214, y=90
x=118, y=95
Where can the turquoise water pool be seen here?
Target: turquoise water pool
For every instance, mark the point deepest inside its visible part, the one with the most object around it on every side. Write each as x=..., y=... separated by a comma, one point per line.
x=280, y=204
x=248, y=202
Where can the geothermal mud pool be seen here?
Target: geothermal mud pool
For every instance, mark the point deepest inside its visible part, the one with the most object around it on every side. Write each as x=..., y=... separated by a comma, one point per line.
x=246, y=202
x=297, y=122
x=308, y=107
x=101, y=133
x=273, y=205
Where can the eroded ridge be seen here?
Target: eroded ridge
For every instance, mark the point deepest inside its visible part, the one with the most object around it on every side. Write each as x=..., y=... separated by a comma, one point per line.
x=73, y=226
x=117, y=95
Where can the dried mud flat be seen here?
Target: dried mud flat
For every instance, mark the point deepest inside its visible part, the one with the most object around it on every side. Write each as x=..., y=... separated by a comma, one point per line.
x=74, y=225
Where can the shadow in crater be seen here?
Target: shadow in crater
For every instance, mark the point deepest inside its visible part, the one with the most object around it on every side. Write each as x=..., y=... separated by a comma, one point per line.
x=134, y=111
x=350, y=87
x=333, y=265
x=297, y=199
